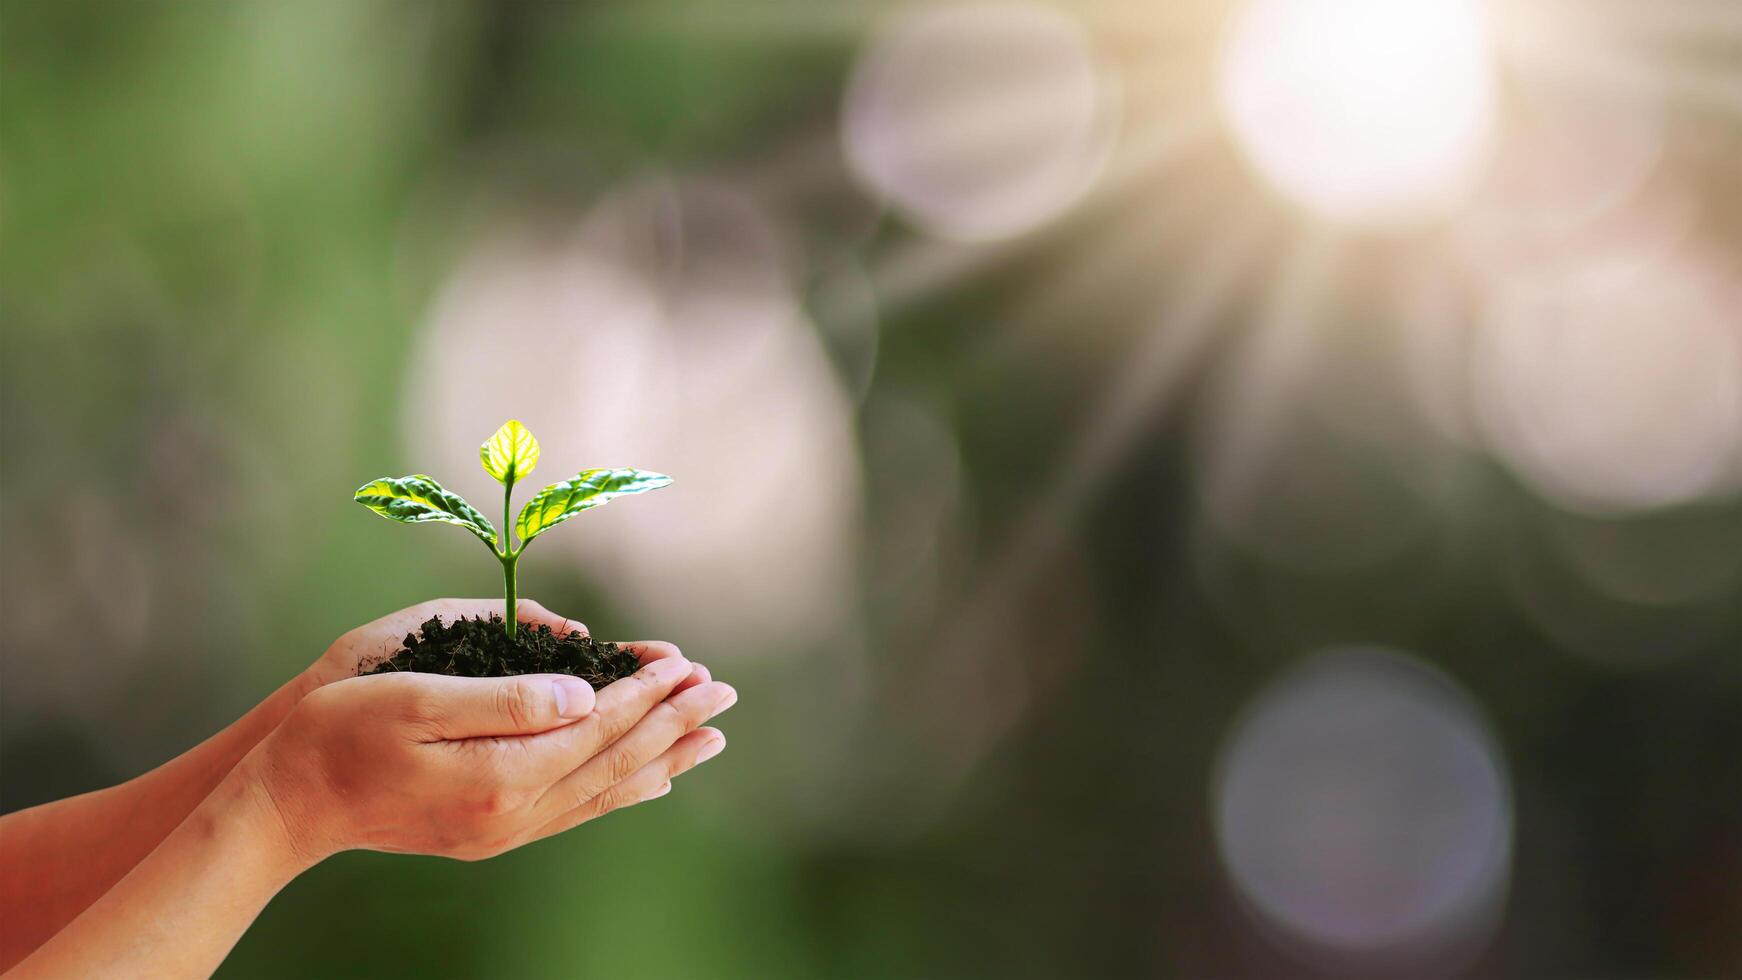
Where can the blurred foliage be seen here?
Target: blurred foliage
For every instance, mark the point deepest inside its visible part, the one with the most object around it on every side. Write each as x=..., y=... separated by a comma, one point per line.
x=221, y=226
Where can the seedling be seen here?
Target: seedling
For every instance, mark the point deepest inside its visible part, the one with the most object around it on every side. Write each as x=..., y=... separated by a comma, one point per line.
x=507, y=456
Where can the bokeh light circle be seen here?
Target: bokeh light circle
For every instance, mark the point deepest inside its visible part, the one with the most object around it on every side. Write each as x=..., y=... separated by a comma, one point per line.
x=979, y=120
x=660, y=331
x=1367, y=112
x=1569, y=158
x=1663, y=558
x=1613, y=387
x=1362, y=809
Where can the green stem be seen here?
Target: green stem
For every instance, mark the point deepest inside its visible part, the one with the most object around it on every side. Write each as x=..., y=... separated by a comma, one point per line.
x=510, y=558
x=508, y=563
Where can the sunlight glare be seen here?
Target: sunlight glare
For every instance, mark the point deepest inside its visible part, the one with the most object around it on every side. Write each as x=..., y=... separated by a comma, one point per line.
x=1367, y=112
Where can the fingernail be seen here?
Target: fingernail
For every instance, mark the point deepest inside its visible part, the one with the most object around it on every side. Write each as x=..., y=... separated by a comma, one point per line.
x=701, y=672
x=730, y=698
x=573, y=697
x=668, y=670
x=656, y=794
x=708, y=751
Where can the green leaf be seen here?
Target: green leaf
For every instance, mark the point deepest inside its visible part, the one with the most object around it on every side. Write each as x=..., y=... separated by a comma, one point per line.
x=561, y=501
x=509, y=454
x=418, y=498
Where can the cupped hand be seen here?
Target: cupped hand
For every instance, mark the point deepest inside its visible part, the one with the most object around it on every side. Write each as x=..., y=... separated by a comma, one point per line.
x=381, y=638
x=471, y=767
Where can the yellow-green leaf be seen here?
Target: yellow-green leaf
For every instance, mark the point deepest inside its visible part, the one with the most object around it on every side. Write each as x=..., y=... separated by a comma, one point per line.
x=509, y=454
x=418, y=498
x=588, y=489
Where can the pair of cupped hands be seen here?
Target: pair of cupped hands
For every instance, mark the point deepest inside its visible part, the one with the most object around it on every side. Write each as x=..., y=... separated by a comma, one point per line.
x=471, y=767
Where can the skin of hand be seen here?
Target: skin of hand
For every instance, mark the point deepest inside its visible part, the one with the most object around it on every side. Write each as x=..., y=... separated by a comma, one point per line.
x=60, y=857
x=471, y=767
x=460, y=767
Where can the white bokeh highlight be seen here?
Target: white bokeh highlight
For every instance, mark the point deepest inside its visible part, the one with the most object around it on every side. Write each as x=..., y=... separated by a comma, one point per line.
x=979, y=120
x=661, y=332
x=1612, y=385
x=1366, y=112
x=1362, y=810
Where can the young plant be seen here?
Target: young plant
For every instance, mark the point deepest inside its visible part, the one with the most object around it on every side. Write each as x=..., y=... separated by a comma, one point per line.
x=507, y=456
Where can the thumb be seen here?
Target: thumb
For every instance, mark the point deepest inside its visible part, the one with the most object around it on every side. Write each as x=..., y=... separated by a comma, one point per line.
x=476, y=707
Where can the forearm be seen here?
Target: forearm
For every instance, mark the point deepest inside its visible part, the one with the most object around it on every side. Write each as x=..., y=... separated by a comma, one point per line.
x=178, y=912
x=62, y=856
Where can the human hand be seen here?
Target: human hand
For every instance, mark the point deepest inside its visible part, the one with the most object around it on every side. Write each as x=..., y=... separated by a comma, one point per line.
x=471, y=767
x=379, y=639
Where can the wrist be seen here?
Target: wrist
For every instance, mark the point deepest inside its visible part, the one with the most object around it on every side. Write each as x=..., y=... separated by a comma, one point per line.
x=269, y=818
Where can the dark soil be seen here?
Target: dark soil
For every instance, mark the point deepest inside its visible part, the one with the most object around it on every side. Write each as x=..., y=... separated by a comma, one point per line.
x=480, y=648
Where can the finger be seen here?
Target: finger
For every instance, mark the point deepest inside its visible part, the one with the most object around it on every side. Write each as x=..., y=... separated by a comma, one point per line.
x=648, y=651
x=698, y=675
x=658, y=730
x=617, y=708
x=411, y=618
x=532, y=611
x=452, y=708
x=649, y=782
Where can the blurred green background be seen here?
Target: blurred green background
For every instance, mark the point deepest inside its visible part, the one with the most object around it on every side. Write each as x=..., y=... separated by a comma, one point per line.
x=1133, y=562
